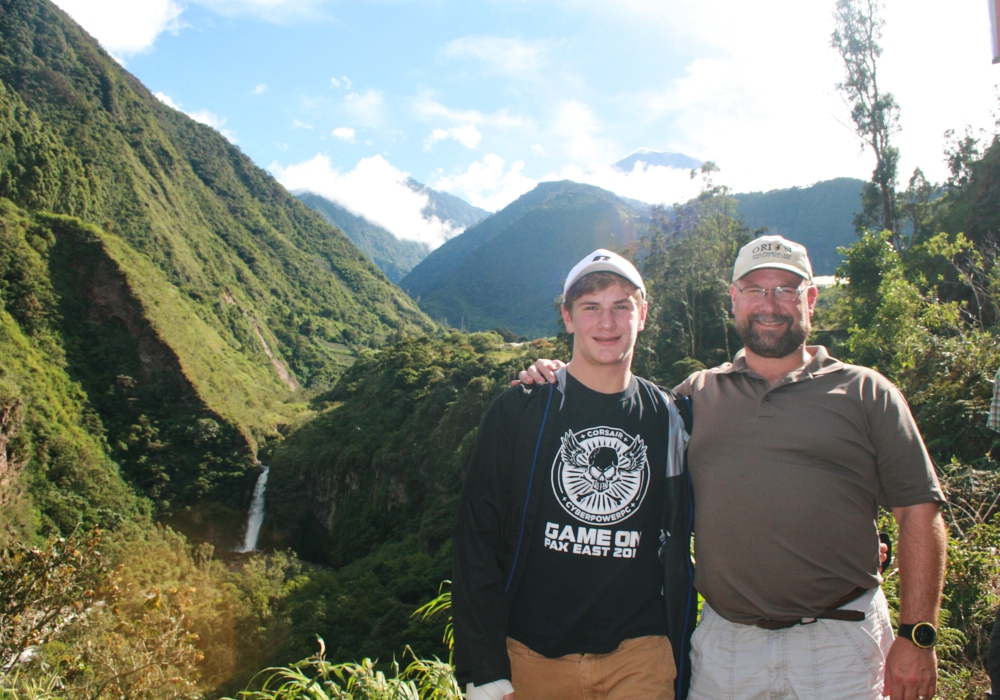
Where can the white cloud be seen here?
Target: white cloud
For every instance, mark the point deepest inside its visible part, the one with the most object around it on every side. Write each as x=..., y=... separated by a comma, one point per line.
x=165, y=99
x=654, y=185
x=344, y=132
x=503, y=55
x=124, y=26
x=488, y=184
x=539, y=150
x=259, y=89
x=758, y=93
x=375, y=190
x=492, y=186
x=296, y=124
x=467, y=135
x=365, y=107
x=202, y=116
x=342, y=81
x=427, y=108
x=578, y=128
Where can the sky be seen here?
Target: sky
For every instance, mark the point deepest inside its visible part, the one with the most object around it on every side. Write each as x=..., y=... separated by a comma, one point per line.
x=487, y=98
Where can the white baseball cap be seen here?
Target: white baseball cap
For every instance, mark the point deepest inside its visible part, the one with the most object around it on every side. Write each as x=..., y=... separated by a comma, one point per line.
x=602, y=260
x=772, y=252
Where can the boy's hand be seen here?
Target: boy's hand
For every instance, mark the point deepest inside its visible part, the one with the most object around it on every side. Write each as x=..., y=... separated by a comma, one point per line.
x=542, y=371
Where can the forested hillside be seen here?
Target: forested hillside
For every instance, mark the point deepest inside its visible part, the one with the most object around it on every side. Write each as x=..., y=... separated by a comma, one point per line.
x=507, y=271
x=820, y=217
x=395, y=257
x=192, y=297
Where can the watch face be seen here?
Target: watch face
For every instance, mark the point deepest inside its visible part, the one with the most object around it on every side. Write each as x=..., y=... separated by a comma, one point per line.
x=924, y=634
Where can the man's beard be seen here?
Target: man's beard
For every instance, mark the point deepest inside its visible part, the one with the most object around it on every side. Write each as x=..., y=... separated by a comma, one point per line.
x=772, y=344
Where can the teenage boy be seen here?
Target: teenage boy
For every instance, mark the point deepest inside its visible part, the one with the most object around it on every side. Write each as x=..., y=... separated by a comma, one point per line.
x=571, y=574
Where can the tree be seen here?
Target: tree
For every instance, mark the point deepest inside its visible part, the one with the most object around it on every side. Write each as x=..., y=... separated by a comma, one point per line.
x=874, y=112
x=687, y=264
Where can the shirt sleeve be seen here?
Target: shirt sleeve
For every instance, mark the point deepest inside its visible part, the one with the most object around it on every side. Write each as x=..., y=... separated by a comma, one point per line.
x=906, y=473
x=479, y=603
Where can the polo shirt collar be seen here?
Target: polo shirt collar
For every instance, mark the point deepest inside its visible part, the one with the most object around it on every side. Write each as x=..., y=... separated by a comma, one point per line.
x=821, y=363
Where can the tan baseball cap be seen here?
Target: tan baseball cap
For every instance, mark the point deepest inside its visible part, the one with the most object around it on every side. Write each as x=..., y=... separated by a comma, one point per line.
x=773, y=252
x=602, y=260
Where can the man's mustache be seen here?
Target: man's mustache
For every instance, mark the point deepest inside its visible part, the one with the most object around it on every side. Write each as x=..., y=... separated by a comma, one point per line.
x=772, y=318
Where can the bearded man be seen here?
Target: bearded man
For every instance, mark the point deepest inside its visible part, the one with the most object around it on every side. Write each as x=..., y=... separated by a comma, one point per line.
x=791, y=454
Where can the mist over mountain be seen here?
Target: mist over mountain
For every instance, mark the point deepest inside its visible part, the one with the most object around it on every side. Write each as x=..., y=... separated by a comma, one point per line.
x=448, y=207
x=820, y=217
x=508, y=270
x=395, y=256
x=657, y=158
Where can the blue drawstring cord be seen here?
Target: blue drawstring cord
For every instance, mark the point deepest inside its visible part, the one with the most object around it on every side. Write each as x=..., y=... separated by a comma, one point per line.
x=527, y=498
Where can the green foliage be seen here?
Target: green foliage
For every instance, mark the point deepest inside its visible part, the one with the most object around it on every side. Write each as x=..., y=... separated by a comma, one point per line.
x=316, y=678
x=942, y=354
x=874, y=111
x=436, y=608
x=383, y=459
x=60, y=446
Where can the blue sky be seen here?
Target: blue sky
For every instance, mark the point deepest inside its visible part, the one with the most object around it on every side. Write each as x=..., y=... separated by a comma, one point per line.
x=485, y=99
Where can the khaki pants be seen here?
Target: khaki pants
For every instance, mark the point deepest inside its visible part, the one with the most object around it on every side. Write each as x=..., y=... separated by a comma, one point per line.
x=640, y=669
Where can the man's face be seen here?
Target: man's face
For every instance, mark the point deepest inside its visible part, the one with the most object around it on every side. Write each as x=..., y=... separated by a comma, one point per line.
x=767, y=327
x=604, y=325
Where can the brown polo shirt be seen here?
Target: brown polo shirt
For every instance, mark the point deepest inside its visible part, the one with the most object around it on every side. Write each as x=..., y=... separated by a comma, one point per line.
x=788, y=479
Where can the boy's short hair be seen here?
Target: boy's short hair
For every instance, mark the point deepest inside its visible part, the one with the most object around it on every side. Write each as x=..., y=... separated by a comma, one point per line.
x=598, y=282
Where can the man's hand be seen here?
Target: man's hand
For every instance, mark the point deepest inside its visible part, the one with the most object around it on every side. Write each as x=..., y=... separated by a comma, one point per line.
x=910, y=672
x=542, y=371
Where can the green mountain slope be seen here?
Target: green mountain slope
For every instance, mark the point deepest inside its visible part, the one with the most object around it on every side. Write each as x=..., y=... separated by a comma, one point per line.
x=197, y=298
x=443, y=261
x=55, y=470
x=820, y=217
x=514, y=263
x=393, y=256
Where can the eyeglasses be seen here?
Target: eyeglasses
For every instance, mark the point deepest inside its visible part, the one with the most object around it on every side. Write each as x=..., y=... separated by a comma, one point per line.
x=780, y=293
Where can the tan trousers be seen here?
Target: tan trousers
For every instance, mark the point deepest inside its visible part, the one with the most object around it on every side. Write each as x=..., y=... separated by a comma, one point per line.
x=640, y=669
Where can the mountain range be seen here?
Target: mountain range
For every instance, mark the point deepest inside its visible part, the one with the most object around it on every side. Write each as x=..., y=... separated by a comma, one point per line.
x=394, y=256
x=507, y=270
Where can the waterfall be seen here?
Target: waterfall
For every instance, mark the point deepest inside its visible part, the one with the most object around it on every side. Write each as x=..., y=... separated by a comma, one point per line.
x=256, y=516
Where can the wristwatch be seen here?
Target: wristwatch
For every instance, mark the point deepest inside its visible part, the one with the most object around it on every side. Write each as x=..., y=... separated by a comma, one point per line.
x=923, y=634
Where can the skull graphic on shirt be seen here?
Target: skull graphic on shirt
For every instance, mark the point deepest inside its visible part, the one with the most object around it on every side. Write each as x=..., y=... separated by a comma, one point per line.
x=600, y=474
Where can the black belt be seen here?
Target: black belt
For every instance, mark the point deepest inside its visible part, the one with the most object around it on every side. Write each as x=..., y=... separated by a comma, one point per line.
x=831, y=613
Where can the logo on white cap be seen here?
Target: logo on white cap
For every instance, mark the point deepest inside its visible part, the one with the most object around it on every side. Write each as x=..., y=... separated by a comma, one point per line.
x=772, y=252
x=602, y=260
